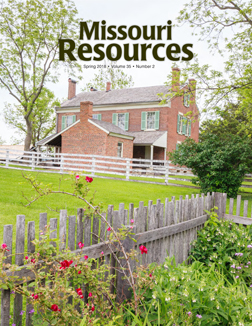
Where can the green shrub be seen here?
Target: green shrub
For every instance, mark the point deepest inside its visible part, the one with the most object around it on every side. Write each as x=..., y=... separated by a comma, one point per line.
x=219, y=165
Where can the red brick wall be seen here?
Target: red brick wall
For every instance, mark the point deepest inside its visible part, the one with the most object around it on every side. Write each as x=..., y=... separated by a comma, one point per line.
x=111, y=149
x=158, y=153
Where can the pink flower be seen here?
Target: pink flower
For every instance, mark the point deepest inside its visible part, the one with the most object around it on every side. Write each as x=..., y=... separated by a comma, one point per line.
x=81, y=296
x=90, y=294
x=131, y=227
x=65, y=263
x=93, y=308
x=143, y=249
x=150, y=275
x=79, y=291
x=33, y=260
x=4, y=245
x=81, y=245
x=35, y=296
x=109, y=229
x=102, y=253
x=77, y=177
x=198, y=316
x=85, y=257
x=79, y=272
x=131, y=221
x=189, y=313
x=26, y=257
x=38, y=254
x=54, y=307
x=88, y=179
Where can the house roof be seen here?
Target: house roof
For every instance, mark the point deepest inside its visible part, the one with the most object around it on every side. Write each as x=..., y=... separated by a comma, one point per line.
x=147, y=137
x=105, y=126
x=111, y=128
x=119, y=96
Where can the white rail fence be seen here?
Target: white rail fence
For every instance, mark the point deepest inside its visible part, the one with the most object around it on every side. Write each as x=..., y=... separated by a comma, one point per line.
x=94, y=165
x=160, y=171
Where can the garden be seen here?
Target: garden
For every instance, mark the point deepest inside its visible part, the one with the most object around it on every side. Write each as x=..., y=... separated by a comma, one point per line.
x=212, y=287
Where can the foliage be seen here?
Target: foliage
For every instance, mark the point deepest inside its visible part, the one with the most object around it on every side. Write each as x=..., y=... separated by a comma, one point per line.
x=29, y=33
x=118, y=78
x=195, y=295
x=219, y=165
x=42, y=117
x=226, y=25
x=227, y=245
x=230, y=120
x=1, y=141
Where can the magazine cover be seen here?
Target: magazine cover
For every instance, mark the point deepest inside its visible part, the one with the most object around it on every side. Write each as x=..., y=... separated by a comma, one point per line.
x=125, y=162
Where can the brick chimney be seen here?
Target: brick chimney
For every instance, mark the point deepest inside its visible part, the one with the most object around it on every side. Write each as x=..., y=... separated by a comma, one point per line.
x=108, y=86
x=86, y=111
x=175, y=79
x=71, y=88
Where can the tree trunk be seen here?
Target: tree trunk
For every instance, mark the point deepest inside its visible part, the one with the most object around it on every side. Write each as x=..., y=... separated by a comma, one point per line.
x=28, y=137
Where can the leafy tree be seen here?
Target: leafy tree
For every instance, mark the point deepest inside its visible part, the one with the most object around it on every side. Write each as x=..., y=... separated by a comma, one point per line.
x=216, y=20
x=42, y=117
x=1, y=141
x=29, y=32
x=219, y=165
x=118, y=78
x=230, y=120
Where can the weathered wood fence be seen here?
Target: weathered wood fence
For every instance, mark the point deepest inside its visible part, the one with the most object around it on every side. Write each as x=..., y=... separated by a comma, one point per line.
x=164, y=228
x=222, y=203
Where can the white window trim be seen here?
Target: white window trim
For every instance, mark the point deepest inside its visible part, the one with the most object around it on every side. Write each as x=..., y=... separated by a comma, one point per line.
x=121, y=150
x=146, y=129
x=181, y=125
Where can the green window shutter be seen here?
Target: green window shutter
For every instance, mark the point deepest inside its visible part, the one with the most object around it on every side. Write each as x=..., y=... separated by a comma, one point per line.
x=157, y=120
x=74, y=118
x=189, y=128
x=178, y=123
x=184, y=126
x=143, y=121
x=114, y=118
x=127, y=121
x=188, y=100
x=63, y=123
x=99, y=116
x=184, y=99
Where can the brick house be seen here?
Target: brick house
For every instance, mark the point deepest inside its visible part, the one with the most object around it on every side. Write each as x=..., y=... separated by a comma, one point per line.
x=125, y=122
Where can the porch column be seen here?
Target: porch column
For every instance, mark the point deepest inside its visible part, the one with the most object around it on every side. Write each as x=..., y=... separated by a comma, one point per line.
x=151, y=154
x=165, y=154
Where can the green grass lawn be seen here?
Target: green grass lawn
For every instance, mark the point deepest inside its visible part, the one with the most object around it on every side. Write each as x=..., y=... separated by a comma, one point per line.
x=107, y=192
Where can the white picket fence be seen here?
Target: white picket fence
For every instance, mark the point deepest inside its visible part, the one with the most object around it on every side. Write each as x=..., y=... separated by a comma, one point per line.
x=94, y=165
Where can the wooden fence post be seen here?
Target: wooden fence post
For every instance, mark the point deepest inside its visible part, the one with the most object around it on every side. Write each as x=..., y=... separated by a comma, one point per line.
x=7, y=158
x=5, y=297
x=33, y=161
x=62, y=164
x=127, y=169
x=62, y=228
x=19, y=260
x=122, y=288
x=218, y=200
x=166, y=172
x=93, y=167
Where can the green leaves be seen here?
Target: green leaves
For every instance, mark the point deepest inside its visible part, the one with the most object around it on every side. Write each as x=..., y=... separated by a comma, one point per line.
x=220, y=165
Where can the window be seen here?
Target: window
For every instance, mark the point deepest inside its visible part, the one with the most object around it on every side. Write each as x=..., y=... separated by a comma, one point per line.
x=183, y=125
x=186, y=99
x=67, y=121
x=97, y=116
x=121, y=120
x=150, y=120
x=120, y=150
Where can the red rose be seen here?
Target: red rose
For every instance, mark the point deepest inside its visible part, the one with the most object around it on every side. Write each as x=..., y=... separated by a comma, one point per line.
x=88, y=179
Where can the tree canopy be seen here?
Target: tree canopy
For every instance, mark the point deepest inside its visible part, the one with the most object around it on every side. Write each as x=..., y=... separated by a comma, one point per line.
x=218, y=20
x=29, y=32
x=42, y=118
